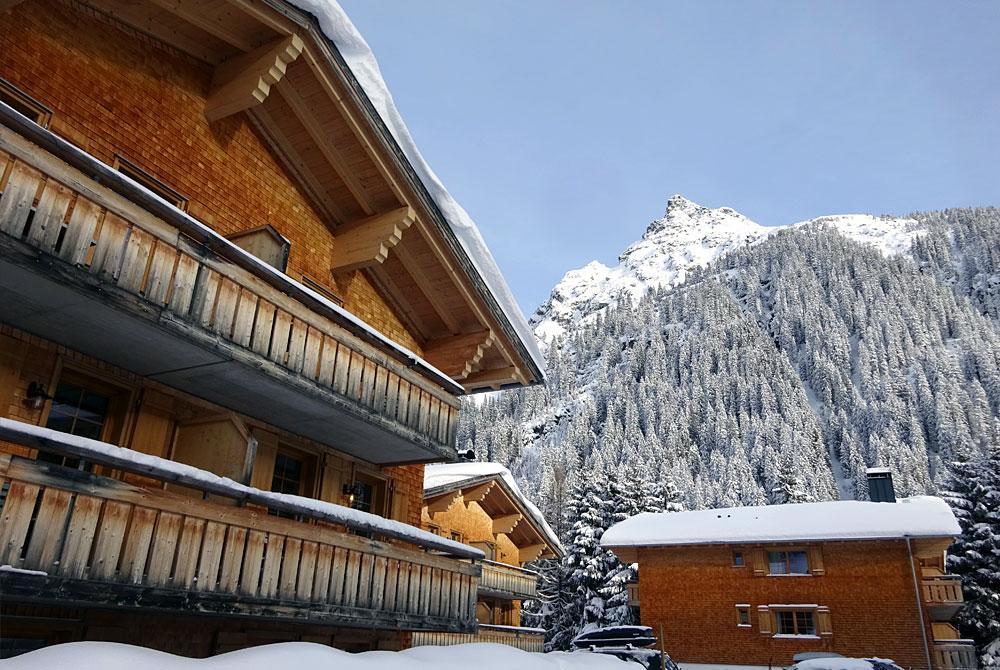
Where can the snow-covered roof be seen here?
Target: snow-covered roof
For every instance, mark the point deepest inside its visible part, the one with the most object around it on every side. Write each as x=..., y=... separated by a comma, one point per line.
x=353, y=48
x=448, y=476
x=921, y=516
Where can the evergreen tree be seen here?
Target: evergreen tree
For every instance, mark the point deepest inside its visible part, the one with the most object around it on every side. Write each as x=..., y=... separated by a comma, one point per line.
x=975, y=498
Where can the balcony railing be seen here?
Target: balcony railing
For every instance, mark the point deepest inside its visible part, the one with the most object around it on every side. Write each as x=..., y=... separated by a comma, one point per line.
x=526, y=639
x=955, y=655
x=79, y=539
x=943, y=596
x=501, y=579
x=95, y=262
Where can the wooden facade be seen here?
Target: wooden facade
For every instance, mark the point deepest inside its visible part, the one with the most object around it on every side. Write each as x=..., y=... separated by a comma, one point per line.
x=725, y=604
x=213, y=252
x=485, y=512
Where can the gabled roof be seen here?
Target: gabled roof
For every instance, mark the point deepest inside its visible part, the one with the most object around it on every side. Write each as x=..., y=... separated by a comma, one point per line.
x=495, y=490
x=917, y=517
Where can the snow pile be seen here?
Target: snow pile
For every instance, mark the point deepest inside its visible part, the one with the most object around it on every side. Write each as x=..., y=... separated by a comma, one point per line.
x=162, y=468
x=841, y=663
x=339, y=29
x=307, y=656
x=446, y=474
x=919, y=516
x=689, y=236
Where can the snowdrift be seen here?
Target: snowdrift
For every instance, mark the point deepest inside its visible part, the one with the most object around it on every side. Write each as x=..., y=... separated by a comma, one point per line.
x=306, y=656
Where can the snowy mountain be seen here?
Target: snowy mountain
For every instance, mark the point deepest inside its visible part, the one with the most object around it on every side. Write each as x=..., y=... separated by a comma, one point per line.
x=688, y=236
x=753, y=365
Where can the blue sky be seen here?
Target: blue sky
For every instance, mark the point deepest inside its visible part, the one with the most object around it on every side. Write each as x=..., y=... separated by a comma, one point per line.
x=564, y=126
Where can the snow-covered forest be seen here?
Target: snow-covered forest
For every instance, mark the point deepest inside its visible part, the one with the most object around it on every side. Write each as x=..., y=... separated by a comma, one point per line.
x=746, y=365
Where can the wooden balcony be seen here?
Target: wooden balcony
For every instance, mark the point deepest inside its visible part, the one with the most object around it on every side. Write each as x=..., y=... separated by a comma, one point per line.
x=942, y=596
x=955, y=655
x=82, y=540
x=508, y=581
x=92, y=261
x=526, y=639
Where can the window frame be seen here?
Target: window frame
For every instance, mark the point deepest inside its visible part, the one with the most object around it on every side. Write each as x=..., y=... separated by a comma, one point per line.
x=738, y=559
x=788, y=562
x=150, y=181
x=743, y=616
x=40, y=113
x=795, y=612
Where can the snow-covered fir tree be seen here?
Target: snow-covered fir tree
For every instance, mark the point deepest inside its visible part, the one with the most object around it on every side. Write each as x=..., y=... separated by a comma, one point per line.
x=974, y=494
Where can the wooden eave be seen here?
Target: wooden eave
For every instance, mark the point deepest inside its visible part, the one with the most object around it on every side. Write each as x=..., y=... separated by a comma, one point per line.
x=273, y=63
x=494, y=496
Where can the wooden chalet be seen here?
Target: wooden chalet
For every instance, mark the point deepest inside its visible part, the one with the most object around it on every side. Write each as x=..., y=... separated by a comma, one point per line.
x=214, y=253
x=480, y=505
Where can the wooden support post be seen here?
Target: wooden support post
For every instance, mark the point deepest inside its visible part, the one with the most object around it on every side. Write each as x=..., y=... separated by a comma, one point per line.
x=530, y=553
x=245, y=81
x=368, y=242
x=458, y=356
x=477, y=493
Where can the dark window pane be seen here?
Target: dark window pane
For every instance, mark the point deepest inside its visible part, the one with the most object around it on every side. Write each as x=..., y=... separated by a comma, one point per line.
x=804, y=623
x=364, y=494
x=798, y=564
x=64, y=424
x=738, y=558
x=744, y=617
x=93, y=403
x=87, y=429
x=786, y=623
x=777, y=564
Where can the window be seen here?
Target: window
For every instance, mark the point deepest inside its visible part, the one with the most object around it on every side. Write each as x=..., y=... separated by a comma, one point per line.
x=137, y=174
x=431, y=528
x=85, y=407
x=287, y=477
x=743, y=616
x=322, y=290
x=795, y=622
x=457, y=536
x=787, y=563
x=24, y=104
x=738, y=561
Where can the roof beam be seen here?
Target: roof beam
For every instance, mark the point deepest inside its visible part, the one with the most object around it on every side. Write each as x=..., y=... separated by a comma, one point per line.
x=458, y=356
x=493, y=379
x=192, y=11
x=505, y=524
x=368, y=242
x=246, y=80
x=329, y=151
x=413, y=267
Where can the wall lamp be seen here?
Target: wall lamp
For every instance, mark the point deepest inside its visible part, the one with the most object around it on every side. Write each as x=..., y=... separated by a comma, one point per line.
x=350, y=491
x=36, y=395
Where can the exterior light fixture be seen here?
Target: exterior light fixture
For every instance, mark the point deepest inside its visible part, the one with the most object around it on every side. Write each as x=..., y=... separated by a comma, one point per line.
x=350, y=490
x=36, y=396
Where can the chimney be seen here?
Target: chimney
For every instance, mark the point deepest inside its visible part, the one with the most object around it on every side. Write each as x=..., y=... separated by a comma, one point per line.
x=880, y=487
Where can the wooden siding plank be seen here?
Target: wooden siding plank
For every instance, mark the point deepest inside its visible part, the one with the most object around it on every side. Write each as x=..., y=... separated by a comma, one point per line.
x=80, y=536
x=43, y=547
x=296, y=345
x=391, y=580
x=279, y=338
x=245, y=313
x=225, y=307
x=378, y=583
x=310, y=360
x=136, y=258
x=188, y=549
x=232, y=559
x=272, y=565
x=17, y=510
x=165, y=538
x=327, y=361
x=110, y=247
x=324, y=567
x=211, y=556
x=110, y=537
x=80, y=231
x=137, y=544
x=182, y=291
x=351, y=579
x=336, y=594
x=161, y=270
x=367, y=564
x=288, y=582
x=307, y=571
x=262, y=327
x=254, y=557
x=17, y=198
x=50, y=213
x=206, y=292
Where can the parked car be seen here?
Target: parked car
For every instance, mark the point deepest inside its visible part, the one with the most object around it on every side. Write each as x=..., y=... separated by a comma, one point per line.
x=819, y=660
x=631, y=644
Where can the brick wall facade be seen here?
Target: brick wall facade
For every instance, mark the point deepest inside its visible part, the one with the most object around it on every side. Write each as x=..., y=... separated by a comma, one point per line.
x=115, y=91
x=692, y=592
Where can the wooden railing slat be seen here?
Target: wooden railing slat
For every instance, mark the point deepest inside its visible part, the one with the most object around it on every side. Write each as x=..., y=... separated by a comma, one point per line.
x=137, y=545
x=307, y=570
x=49, y=215
x=43, y=547
x=17, y=510
x=165, y=538
x=214, y=539
x=188, y=549
x=80, y=536
x=272, y=565
x=110, y=538
x=233, y=559
x=17, y=198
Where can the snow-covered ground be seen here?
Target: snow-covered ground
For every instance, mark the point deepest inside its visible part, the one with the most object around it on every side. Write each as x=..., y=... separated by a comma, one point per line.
x=687, y=237
x=306, y=656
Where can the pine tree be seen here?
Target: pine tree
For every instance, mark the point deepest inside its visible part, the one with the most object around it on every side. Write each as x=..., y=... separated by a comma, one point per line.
x=975, y=498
